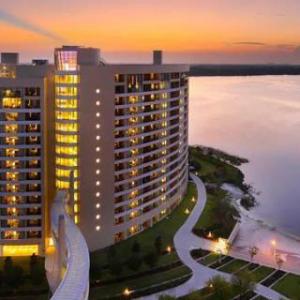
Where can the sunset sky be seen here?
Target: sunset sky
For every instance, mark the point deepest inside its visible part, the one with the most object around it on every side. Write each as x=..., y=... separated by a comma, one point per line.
x=193, y=31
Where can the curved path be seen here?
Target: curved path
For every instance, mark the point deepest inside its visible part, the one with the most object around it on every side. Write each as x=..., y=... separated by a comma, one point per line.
x=74, y=285
x=185, y=241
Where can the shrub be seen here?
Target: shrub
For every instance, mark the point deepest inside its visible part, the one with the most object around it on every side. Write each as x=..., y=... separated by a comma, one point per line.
x=136, y=247
x=134, y=262
x=14, y=276
x=151, y=259
x=37, y=274
x=158, y=244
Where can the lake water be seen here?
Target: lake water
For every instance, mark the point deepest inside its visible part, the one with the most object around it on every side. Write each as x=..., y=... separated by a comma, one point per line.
x=257, y=118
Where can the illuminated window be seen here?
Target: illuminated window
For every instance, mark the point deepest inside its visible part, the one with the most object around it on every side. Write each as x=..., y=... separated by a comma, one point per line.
x=98, y=160
x=76, y=208
x=66, y=127
x=66, y=115
x=11, y=102
x=11, y=116
x=97, y=103
x=98, y=194
x=97, y=91
x=63, y=103
x=98, y=205
x=98, y=228
x=20, y=250
x=66, y=79
x=66, y=60
x=12, y=128
x=66, y=91
x=98, y=217
x=69, y=162
x=76, y=219
x=67, y=139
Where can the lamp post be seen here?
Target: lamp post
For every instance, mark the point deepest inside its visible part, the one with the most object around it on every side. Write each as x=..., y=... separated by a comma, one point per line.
x=127, y=292
x=273, y=243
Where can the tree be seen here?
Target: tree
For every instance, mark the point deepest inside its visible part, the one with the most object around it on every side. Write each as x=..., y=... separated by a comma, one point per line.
x=8, y=264
x=114, y=264
x=134, y=262
x=33, y=260
x=158, y=244
x=226, y=212
x=243, y=282
x=111, y=253
x=220, y=288
x=136, y=248
x=115, y=267
x=14, y=276
x=151, y=259
x=37, y=274
x=279, y=261
x=95, y=270
x=1, y=278
x=253, y=252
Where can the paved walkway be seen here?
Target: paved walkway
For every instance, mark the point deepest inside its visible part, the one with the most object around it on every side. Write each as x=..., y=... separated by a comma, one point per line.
x=185, y=241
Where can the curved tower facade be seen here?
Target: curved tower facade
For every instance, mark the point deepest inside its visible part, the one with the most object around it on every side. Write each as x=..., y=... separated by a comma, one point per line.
x=121, y=139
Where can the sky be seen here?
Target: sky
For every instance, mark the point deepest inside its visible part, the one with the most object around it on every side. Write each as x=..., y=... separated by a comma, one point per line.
x=191, y=31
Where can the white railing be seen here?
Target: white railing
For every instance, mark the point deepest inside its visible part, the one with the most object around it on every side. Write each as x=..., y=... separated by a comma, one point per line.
x=68, y=268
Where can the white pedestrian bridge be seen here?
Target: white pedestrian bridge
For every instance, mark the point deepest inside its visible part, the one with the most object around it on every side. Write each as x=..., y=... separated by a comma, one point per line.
x=67, y=265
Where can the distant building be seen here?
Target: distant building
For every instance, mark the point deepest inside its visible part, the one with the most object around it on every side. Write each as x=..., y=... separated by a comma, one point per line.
x=116, y=133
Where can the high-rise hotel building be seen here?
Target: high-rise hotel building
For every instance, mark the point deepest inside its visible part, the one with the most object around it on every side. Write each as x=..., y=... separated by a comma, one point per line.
x=118, y=145
x=26, y=93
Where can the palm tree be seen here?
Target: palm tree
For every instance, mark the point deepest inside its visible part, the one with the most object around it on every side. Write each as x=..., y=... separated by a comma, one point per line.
x=243, y=282
x=225, y=211
x=253, y=252
x=220, y=288
x=279, y=261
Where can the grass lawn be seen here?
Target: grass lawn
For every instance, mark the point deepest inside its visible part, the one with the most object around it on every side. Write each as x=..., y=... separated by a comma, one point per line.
x=289, y=286
x=165, y=228
x=209, y=259
x=214, y=170
x=233, y=266
x=209, y=221
x=144, y=282
x=261, y=273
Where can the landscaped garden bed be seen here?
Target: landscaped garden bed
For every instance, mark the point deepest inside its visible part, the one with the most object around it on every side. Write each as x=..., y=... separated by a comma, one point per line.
x=144, y=258
x=289, y=286
x=23, y=278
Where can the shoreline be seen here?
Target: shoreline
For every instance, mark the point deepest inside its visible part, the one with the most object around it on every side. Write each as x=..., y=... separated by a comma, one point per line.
x=236, y=194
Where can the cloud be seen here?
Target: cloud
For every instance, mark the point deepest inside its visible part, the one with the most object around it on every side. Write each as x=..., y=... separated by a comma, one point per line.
x=250, y=43
x=23, y=24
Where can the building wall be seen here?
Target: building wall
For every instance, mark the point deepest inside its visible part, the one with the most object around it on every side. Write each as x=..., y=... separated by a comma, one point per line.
x=24, y=185
x=96, y=113
x=100, y=202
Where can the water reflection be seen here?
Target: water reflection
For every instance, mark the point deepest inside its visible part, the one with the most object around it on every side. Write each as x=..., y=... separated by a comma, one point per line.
x=259, y=118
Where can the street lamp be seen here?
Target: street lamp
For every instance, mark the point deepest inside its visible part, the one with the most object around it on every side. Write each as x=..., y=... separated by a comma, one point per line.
x=127, y=292
x=273, y=243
